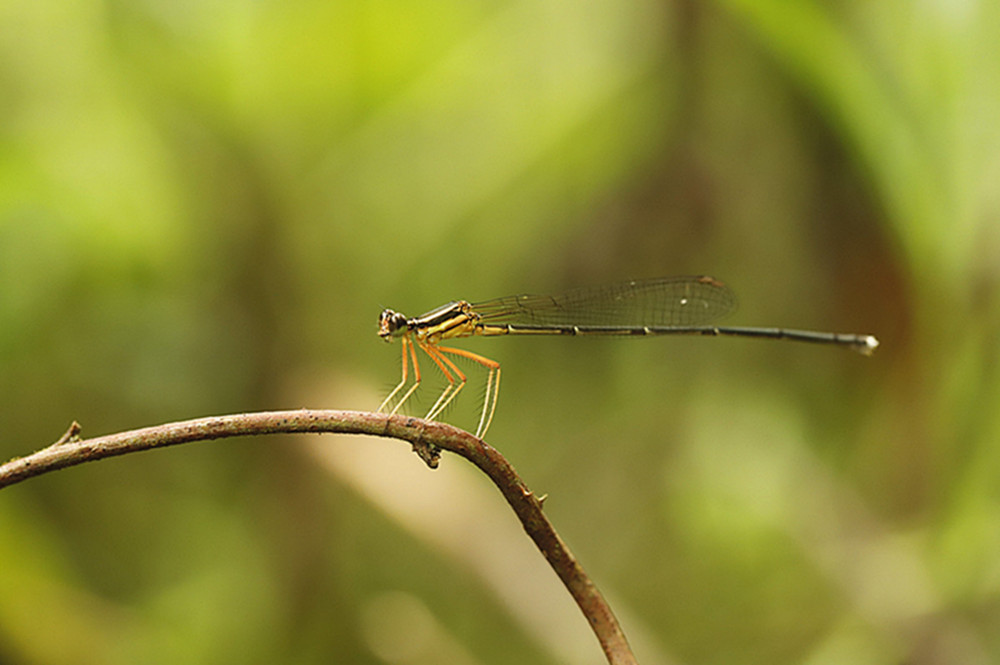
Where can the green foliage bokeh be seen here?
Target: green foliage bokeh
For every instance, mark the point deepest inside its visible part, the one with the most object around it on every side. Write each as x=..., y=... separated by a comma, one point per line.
x=204, y=206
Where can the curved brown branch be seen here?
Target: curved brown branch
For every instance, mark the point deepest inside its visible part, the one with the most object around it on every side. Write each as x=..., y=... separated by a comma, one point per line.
x=427, y=438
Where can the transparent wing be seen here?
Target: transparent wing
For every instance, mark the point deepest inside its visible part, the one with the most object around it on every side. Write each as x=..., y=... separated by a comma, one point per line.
x=664, y=301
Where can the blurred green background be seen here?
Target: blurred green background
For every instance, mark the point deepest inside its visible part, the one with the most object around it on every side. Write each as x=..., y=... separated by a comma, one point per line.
x=205, y=205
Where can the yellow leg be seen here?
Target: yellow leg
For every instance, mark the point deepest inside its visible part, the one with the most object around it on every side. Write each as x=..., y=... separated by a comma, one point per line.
x=406, y=343
x=492, y=385
x=450, y=371
x=495, y=376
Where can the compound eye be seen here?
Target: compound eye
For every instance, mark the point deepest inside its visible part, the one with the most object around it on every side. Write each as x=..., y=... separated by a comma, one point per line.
x=390, y=324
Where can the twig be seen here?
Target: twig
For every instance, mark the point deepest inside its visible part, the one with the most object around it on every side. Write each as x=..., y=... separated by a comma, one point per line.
x=428, y=439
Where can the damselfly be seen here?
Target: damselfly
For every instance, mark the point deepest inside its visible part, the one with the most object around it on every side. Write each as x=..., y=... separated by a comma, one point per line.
x=662, y=306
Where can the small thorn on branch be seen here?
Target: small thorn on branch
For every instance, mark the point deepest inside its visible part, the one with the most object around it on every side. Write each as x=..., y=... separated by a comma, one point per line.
x=72, y=435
